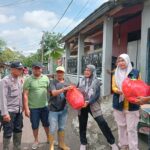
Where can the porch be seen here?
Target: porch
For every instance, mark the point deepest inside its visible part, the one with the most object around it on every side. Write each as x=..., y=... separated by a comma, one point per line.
x=112, y=29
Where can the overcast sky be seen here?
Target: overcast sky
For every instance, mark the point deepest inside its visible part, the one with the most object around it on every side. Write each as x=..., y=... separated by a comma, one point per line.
x=22, y=21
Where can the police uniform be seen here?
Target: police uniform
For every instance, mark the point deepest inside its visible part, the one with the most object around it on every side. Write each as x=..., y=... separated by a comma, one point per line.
x=11, y=103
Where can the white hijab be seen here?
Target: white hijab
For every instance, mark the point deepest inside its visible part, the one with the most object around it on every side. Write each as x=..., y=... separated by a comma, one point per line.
x=121, y=74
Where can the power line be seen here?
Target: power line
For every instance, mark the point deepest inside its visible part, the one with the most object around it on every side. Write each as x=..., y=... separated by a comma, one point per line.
x=62, y=15
x=18, y=2
x=76, y=16
x=12, y=3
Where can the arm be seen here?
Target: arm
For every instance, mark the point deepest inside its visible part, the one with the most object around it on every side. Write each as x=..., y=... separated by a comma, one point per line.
x=25, y=103
x=143, y=100
x=4, y=91
x=114, y=86
x=146, y=99
x=4, y=109
x=57, y=92
x=95, y=96
x=26, y=88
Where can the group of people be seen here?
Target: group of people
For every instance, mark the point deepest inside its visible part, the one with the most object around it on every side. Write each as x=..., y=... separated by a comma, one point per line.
x=44, y=100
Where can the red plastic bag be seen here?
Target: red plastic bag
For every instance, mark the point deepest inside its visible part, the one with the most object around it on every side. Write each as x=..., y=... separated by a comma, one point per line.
x=75, y=98
x=134, y=88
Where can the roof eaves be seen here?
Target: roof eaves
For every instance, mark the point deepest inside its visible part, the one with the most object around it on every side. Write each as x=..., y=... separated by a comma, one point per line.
x=99, y=12
x=91, y=18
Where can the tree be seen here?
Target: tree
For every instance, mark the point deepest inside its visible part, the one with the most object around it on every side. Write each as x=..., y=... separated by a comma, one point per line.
x=2, y=44
x=29, y=60
x=9, y=55
x=50, y=46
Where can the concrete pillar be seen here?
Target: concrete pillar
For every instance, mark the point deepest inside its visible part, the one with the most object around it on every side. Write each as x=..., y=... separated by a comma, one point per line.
x=144, y=40
x=67, y=56
x=80, y=54
x=107, y=55
x=50, y=66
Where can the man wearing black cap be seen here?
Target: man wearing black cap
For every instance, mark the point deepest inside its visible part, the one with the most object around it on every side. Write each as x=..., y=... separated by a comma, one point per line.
x=11, y=107
x=36, y=102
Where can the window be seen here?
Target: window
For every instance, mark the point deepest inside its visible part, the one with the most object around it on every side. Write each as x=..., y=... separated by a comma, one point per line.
x=97, y=46
x=72, y=66
x=95, y=59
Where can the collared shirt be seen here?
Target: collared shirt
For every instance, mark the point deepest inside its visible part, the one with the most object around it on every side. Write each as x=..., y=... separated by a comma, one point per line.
x=38, y=91
x=10, y=95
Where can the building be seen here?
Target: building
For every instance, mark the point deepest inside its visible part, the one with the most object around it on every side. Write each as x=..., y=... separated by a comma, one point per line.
x=121, y=26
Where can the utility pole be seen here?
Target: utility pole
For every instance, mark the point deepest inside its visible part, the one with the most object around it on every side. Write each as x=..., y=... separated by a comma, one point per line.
x=42, y=48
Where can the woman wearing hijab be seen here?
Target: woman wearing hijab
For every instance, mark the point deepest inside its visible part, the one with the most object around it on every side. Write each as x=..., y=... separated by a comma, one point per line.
x=126, y=114
x=90, y=87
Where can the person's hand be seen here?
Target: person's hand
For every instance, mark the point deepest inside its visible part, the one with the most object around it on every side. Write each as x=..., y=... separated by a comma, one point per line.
x=140, y=100
x=68, y=88
x=6, y=118
x=27, y=112
x=119, y=92
x=85, y=104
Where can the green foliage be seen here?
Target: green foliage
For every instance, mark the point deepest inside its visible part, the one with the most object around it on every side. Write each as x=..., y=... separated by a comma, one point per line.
x=55, y=54
x=51, y=46
x=9, y=55
x=29, y=60
x=2, y=44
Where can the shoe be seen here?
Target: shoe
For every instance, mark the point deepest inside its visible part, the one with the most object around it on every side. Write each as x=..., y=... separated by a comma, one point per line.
x=114, y=147
x=51, y=142
x=61, y=141
x=82, y=147
x=35, y=145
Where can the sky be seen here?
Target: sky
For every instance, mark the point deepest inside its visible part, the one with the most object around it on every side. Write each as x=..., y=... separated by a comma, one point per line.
x=22, y=22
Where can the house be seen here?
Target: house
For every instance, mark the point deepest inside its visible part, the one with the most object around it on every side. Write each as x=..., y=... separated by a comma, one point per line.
x=119, y=26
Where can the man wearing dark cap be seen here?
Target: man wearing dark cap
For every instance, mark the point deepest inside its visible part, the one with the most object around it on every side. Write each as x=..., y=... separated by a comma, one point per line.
x=11, y=107
x=35, y=101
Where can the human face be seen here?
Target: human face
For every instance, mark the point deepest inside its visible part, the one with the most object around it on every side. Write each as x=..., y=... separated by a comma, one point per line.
x=87, y=73
x=37, y=71
x=121, y=63
x=60, y=75
x=16, y=72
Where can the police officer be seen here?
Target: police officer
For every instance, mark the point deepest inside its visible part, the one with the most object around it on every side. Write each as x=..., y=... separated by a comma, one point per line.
x=11, y=106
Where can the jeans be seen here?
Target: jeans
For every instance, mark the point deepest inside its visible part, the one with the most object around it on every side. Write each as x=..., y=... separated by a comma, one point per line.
x=83, y=118
x=37, y=114
x=14, y=126
x=57, y=119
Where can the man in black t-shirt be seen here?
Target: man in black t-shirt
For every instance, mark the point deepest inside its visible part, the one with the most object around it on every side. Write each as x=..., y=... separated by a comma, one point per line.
x=58, y=108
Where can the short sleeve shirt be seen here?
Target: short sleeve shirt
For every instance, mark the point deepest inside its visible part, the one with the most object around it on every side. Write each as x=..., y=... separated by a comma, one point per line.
x=57, y=103
x=38, y=91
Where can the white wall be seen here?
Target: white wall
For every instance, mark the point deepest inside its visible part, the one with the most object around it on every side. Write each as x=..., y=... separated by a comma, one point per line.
x=134, y=49
x=144, y=33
